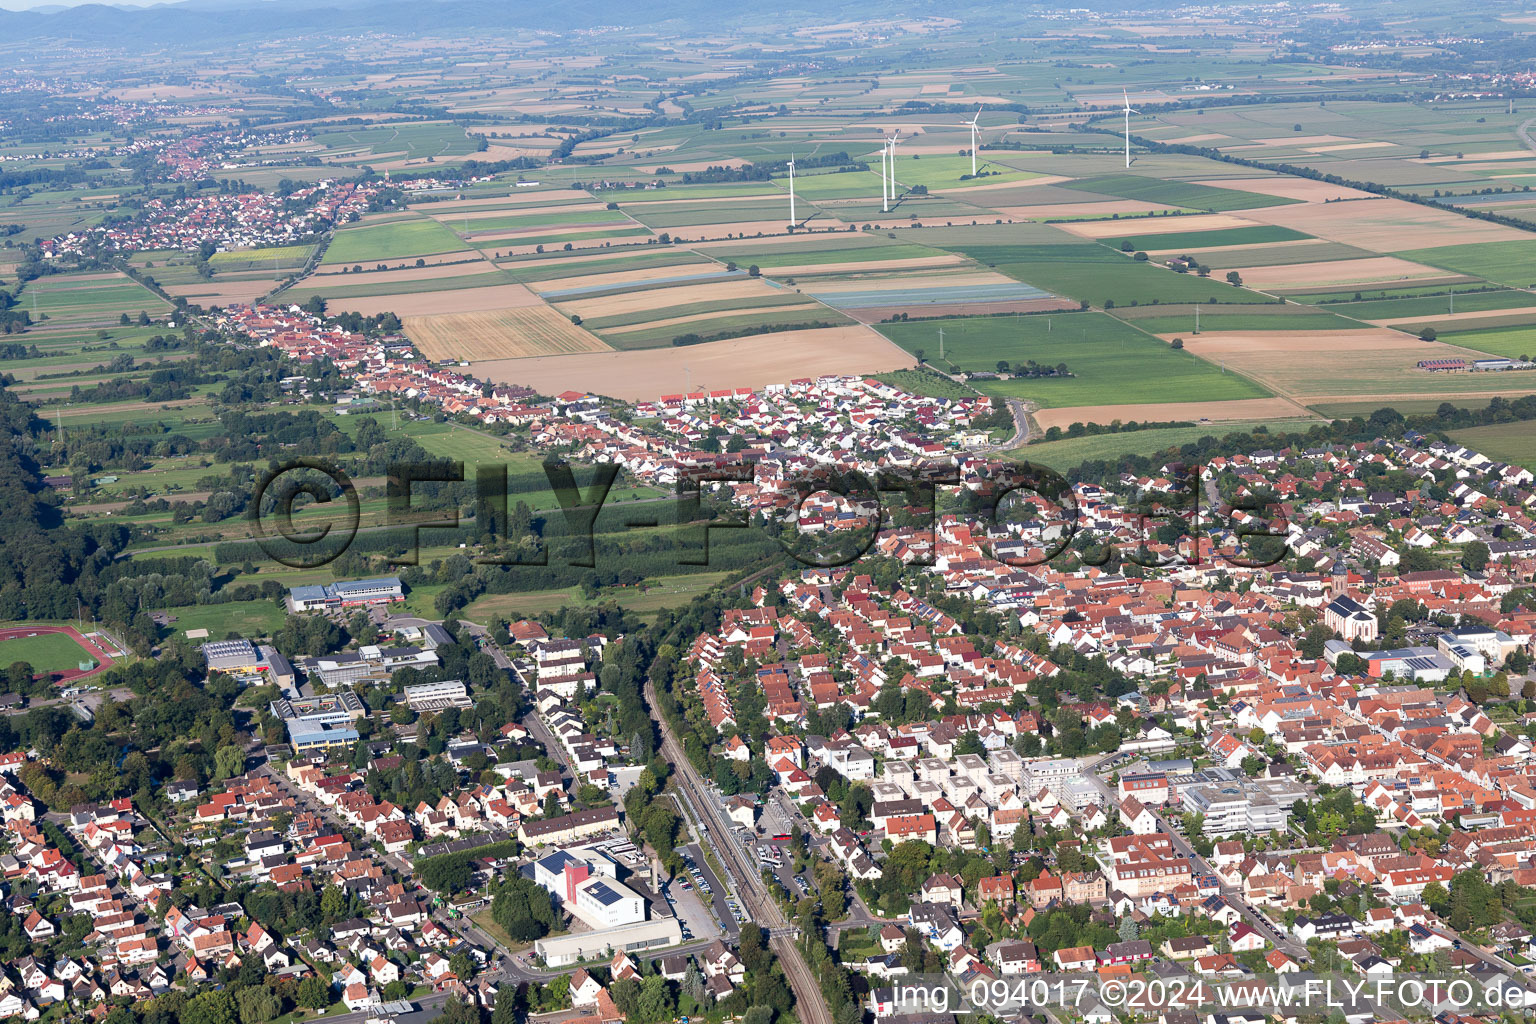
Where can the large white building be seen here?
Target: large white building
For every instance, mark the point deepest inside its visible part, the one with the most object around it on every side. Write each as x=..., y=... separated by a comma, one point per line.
x=586, y=885
x=449, y=693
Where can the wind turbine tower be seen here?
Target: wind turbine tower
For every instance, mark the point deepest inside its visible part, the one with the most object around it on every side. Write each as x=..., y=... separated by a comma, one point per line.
x=973, y=140
x=792, y=189
x=1128, y=112
x=892, y=143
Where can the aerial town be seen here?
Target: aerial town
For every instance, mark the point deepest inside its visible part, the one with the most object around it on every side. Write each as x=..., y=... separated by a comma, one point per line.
x=708, y=516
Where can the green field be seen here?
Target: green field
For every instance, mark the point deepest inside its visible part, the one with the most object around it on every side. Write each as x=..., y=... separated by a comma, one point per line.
x=1112, y=362
x=1433, y=305
x=661, y=592
x=1513, y=342
x=1506, y=442
x=46, y=652
x=1175, y=193
x=1507, y=263
x=1096, y=274
x=1073, y=451
x=88, y=298
x=480, y=225
x=282, y=255
x=416, y=141
x=1256, y=235
x=248, y=618
x=392, y=240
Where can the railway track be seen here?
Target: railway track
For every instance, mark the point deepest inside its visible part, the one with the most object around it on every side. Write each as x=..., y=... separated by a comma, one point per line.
x=810, y=1007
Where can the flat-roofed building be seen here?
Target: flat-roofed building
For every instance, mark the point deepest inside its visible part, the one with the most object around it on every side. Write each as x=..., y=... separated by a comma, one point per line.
x=327, y=709
x=232, y=656
x=346, y=594
x=449, y=693
x=564, y=950
x=369, y=663
x=310, y=737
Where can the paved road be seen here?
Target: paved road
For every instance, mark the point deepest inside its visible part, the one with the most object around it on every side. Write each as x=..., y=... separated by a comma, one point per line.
x=810, y=1007
x=1020, y=413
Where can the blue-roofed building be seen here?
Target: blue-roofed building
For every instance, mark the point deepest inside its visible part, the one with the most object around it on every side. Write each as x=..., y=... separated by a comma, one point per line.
x=306, y=736
x=346, y=594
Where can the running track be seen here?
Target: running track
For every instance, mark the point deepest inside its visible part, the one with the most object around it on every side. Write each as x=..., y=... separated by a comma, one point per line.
x=102, y=656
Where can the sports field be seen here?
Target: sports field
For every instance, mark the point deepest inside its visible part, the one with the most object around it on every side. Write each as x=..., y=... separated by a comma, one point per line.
x=46, y=649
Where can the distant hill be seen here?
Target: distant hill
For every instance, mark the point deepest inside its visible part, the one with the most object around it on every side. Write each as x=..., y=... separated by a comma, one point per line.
x=204, y=21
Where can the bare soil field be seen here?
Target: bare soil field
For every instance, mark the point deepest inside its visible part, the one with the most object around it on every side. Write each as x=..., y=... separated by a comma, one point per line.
x=1312, y=363
x=499, y=334
x=460, y=300
x=1283, y=187
x=1375, y=270
x=661, y=298
x=740, y=362
x=1237, y=409
x=1159, y=225
x=1385, y=225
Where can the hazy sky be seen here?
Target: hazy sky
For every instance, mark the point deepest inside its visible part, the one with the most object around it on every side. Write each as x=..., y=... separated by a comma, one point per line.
x=22, y=5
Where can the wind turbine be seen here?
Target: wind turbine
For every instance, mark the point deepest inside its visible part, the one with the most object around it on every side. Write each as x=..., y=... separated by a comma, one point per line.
x=792, y=189
x=887, y=155
x=1128, y=113
x=973, y=140
x=891, y=145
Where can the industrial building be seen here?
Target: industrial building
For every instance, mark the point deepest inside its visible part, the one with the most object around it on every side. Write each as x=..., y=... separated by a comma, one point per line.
x=345, y=594
x=564, y=950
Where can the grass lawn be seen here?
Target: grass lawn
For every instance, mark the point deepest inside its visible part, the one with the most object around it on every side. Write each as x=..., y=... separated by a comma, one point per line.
x=46, y=652
x=1112, y=362
x=664, y=592
x=486, y=923
x=248, y=618
x=393, y=240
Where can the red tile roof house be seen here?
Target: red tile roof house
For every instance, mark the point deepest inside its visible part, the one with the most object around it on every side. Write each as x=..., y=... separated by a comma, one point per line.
x=1076, y=958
